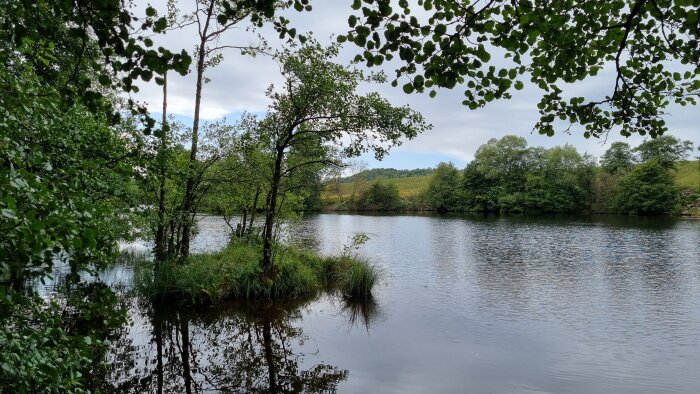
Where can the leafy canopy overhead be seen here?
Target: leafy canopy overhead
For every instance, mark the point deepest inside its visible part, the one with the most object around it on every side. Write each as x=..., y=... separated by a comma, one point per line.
x=651, y=45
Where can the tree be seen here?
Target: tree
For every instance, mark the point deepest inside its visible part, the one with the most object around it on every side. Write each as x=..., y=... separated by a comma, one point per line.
x=213, y=18
x=561, y=183
x=619, y=158
x=506, y=175
x=496, y=179
x=667, y=150
x=381, y=196
x=648, y=190
x=68, y=159
x=650, y=45
x=604, y=189
x=504, y=161
x=79, y=48
x=317, y=117
x=443, y=189
x=357, y=167
x=233, y=184
x=479, y=193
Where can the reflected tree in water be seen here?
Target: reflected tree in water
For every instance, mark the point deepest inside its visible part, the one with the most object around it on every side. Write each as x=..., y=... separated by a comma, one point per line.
x=244, y=348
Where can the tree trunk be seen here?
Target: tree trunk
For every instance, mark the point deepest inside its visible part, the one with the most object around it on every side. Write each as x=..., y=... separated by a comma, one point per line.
x=188, y=203
x=186, y=369
x=161, y=248
x=270, y=212
x=255, y=207
x=172, y=249
x=269, y=356
x=158, y=329
x=245, y=219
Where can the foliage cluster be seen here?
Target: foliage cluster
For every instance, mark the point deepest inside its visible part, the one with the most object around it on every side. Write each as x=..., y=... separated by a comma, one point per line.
x=380, y=196
x=66, y=172
x=641, y=180
x=649, y=47
x=506, y=175
x=54, y=346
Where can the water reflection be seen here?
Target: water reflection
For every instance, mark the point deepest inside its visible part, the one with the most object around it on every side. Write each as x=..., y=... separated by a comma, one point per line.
x=364, y=313
x=472, y=303
x=235, y=348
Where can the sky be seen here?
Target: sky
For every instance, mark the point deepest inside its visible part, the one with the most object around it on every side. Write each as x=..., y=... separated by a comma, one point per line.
x=239, y=83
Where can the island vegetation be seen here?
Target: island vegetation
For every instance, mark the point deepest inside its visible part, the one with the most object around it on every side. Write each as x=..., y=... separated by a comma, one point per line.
x=85, y=165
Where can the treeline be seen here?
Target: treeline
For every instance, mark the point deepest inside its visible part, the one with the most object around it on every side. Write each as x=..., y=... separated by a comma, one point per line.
x=507, y=175
x=386, y=173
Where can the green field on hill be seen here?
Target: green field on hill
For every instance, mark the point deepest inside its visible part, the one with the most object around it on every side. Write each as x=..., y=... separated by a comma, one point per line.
x=408, y=187
x=688, y=175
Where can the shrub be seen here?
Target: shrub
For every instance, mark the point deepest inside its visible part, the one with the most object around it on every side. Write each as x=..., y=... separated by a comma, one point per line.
x=381, y=196
x=648, y=189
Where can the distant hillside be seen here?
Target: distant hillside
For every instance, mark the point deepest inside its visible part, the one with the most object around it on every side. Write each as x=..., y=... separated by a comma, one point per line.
x=387, y=173
x=688, y=174
x=408, y=187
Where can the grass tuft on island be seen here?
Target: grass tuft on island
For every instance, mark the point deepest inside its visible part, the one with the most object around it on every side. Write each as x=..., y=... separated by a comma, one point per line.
x=236, y=273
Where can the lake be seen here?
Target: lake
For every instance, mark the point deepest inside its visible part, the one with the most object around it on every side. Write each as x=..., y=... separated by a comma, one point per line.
x=477, y=304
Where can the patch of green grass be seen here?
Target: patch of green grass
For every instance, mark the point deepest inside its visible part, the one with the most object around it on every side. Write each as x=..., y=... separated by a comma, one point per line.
x=236, y=273
x=408, y=187
x=688, y=175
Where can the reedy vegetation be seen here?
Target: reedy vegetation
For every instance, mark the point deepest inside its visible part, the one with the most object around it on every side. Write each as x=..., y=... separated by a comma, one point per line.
x=236, y=272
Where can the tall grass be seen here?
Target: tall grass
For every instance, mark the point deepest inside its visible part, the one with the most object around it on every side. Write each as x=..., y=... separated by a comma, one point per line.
x=353, y=276
x=236, y=273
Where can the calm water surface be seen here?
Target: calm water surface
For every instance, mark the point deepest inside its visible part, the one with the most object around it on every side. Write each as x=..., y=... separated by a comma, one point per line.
x=468, y=305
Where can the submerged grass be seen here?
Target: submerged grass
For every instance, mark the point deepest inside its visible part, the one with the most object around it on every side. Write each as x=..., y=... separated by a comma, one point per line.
x=236, y=273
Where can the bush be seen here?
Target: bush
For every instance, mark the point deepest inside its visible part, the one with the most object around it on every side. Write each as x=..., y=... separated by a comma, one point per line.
x=648, y=190
x=380, y=196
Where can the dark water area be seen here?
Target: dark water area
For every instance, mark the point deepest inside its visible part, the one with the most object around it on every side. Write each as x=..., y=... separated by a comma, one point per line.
x=471, y=304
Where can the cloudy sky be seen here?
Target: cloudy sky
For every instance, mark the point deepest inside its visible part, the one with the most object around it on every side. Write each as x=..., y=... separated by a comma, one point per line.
x=238, y=84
